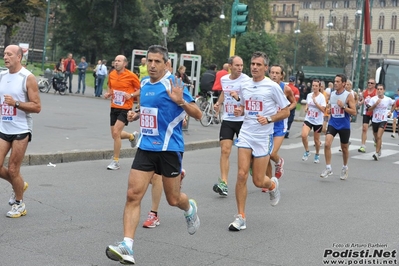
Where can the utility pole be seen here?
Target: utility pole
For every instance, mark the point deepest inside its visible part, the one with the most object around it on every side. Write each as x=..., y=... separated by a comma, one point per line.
x=45, y=34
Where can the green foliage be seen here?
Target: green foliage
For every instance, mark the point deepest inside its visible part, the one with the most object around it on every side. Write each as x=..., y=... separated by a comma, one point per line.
x=310, y=49
x=13, y=12
x=256, y=41
x=165, y=13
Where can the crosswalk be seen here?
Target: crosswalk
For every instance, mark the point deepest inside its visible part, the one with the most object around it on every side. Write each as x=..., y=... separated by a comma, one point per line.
x=388, y=149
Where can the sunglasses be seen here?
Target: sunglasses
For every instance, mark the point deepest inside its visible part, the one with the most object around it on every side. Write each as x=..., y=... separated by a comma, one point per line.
x=370, y=83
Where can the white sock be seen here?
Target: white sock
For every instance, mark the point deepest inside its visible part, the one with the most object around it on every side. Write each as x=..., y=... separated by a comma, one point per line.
x=189, y=211
x=129, y=242
x=328, y=166
x=344, y=167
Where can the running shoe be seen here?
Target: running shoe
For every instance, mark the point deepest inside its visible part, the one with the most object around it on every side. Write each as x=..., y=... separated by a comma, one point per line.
x=152, y=221
x=114, y=165
x=316, y=158
x=362, y=149
x=393, y=136
x=120, y=252
x=133, y=142
x=376, y=156
x=326, y=173
x=17, y=210
x=238, y=224
x=221, y=188
x=279, y=168
x=275, y=193
x=193, y=221
x=11, y=201
x=305, y=156
x=344, y=173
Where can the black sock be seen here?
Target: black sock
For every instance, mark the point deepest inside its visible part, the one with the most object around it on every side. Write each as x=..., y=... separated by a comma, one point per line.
x=18, y=202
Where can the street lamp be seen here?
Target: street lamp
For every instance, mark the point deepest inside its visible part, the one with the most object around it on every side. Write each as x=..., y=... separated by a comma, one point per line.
x=45, y=34
x=329, y=26
x=164, y=23
x=296, y=32
x=357, y=22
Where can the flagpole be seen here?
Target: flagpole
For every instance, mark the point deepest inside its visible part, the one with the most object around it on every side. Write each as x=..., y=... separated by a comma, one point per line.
x=366, y=67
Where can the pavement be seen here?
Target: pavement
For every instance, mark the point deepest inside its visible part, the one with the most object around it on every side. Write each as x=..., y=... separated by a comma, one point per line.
x=75, y=127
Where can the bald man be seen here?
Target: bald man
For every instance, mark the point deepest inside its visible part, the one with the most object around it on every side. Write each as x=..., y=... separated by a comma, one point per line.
x=123, y=87
x=19, y=97
x=217, y=86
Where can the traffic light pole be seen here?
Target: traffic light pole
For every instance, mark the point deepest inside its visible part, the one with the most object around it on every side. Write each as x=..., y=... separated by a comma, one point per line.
x=239, y=18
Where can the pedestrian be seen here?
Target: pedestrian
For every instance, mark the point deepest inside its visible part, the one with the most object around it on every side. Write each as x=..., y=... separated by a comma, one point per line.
x=123, y=86
x=19, y=99
x=101, y=73
x=164, y=104
x=382, y=107
x=348, y=87
x=368, y=93
x=69, y=68
x=231, y=85
x=315, y=107
x=295, y=90
x=82, y=75
x=217, y=85
x=342, y=106
x=99, y=62
x=208, y=79
x=259, y=99
x=143, y=72
x=181, y=74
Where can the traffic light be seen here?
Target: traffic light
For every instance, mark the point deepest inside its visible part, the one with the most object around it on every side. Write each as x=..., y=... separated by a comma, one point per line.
x=239, y=18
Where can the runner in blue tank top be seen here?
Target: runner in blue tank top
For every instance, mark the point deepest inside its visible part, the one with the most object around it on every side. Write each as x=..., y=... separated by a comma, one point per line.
x=342, y=106
x=164, y=105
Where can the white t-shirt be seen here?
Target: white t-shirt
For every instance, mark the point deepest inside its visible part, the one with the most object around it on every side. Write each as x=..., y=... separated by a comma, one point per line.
x=229, y=85
x=260, y=98
x=314, y=115
x=380, y=113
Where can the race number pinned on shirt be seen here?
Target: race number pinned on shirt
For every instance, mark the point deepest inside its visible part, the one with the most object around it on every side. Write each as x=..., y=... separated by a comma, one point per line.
x=149, y=121
x=313, y=114
x=7, y=111
x=379, y=115
x=337, y=111
x=254, y=106
x=119, y=98
x=230, y=104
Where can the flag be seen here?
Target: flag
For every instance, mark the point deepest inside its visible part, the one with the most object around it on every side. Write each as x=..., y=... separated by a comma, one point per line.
x=367, y=26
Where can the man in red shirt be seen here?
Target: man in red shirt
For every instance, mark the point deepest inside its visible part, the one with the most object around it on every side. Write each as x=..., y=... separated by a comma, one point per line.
x=369, y=93
x=217, y=86
x=69, y=68
x=295, y=90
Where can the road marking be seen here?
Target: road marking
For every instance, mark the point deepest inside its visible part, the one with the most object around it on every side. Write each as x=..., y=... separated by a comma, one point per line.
x=369, y=156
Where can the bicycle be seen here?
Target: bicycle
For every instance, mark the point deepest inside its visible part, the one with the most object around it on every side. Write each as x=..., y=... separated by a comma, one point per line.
x=44, y=84
x=209, y=115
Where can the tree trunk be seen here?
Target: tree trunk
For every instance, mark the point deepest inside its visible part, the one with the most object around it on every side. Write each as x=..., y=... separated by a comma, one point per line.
x=7, y=36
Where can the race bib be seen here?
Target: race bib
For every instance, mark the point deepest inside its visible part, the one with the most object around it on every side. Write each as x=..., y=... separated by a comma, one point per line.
x=313, y=114
x=149, y=121
x=337, y=111
x=119, y=98
x=229, y=109
x=253, y=107
x=8, y=112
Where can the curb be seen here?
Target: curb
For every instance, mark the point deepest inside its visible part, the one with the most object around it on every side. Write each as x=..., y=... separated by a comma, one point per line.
x=77, y=156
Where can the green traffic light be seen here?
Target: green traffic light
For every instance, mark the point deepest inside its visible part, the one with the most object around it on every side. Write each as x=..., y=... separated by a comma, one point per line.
x=239, y=18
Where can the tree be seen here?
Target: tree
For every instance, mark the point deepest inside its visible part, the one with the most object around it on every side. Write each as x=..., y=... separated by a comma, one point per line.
x=165, y=14
x=341, y=47
x=256, y=41
x=13, y=12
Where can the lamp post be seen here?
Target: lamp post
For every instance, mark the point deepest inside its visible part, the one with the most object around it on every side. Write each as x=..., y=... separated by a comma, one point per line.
x=296, y=32
x=164, y=23
x=45, y=34
x=329, y=26
x=357, y=23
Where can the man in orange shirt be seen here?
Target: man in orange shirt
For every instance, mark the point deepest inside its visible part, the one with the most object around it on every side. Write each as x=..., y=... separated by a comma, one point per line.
x=217, y=86
x=295, y=90
x=123, y=87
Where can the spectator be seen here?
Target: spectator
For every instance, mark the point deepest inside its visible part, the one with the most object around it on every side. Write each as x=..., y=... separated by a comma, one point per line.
x=101, y=75
x=143, y=72
x=82, y=75
x=208, y=79
x=217, y=86
x=69, y=68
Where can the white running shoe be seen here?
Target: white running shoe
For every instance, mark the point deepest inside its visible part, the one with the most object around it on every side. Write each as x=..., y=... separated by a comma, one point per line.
x=114, y=165
x=326, y=173
x=11, y=201
x=193, y=221
x=133, y=142
x=344, y=173
x=238, y=224
x=17, y=210
x=120, y=252
x=275, y=193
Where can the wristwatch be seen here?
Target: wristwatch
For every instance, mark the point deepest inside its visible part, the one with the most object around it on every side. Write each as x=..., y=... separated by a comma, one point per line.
x=132, y=95
x=16, y=104
x=344, y=107
x=269, y=119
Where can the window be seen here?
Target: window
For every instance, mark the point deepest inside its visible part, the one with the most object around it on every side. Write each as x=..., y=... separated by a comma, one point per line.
x=334, y=4
x=392, y=46
x=322, y=4
x=334, y=20
x=379, y=46
x=394, y=22
x=381, y=22
x=293, y=9
x=284, y=9
x=321, y=22
x=307, y=5
x=382, y=3
x=394, y=2
x=345, y=22
x=274, y=8
x=346, y=4
x=305, y=18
